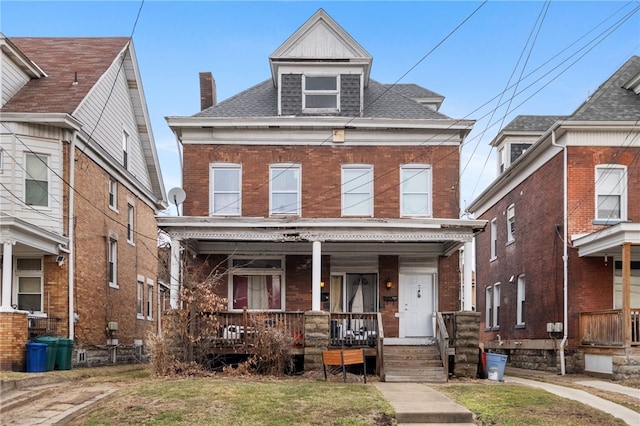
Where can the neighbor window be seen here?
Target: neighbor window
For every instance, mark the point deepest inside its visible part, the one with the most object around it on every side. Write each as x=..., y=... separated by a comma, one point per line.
x=131, y=217
x=521, y=298
x=415, y=194
x=357, y=190
x=113, y=262
x=113, y=194
x=36, y=180
x=321, y=93
x=494, y=239
x=226, y=184
x=496, y=306
x=511, y=223
x=29, y=278
x=125, y=149
x=488, y=308
x=139, y=298
x=257, y=284
x=611, y=192
x=502, y=159
x=284, y=182
x=150, y=299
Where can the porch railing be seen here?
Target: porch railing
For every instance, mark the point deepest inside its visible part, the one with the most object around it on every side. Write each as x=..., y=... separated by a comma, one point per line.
x=354, y=329
x=444, y=322
x=606, y=328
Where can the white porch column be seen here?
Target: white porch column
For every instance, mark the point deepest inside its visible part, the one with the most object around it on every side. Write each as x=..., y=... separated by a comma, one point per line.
x=467, y=277
x=174, y=274
x=7, y=251
x=316, y=261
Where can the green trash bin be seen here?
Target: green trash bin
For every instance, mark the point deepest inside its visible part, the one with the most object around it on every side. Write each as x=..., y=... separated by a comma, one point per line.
x=52, y=349
x=63, y=356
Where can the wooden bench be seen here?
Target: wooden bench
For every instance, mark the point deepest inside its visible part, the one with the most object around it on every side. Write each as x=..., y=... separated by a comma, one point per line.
x=343, y=358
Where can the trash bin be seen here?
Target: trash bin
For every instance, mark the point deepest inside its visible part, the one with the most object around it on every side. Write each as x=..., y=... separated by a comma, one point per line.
x=52, y=348
x=495, y=366
x=63, y=354
x=36, y=357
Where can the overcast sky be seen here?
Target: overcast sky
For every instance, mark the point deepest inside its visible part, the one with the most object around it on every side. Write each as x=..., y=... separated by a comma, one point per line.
x=554, y=54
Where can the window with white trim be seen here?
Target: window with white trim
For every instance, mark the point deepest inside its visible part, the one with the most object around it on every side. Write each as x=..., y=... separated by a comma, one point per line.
x=284, y=188
x=257, y=283
x=150, y=299
x=502, y=159
x=496, y=307
x=113, y=263
x=125, y=149
x=131, y=218
x=225, y=180
x=29, y=277
x=140, y=298
x=488, y=307
x=321, y=93
x=521, y=301
x=415, y=192
x=113, y=194
x=494, y=238
x=36, y=191
x=611, y=192
x=357, y=190
x=511, y=223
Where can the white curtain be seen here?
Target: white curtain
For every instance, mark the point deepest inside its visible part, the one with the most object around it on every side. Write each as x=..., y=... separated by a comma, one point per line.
x=257, y=292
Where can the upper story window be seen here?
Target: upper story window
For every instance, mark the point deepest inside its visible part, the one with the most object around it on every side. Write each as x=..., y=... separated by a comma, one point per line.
x=611, y=192
x=415, y=194
x=29, y=289
x=36, y=180
x=511, y=224
x=125, y=149
x=226, y=184
x=113, y=194
x=502, y=159
x=321, y=93
x=357, y=190
x=285, y=187
x=494, y=238
x=131, y=218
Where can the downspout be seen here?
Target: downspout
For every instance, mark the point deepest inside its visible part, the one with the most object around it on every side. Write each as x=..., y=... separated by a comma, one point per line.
x=565, y=253
x=71, y=246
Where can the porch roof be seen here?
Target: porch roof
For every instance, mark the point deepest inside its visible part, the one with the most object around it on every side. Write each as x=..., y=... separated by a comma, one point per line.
x=29, y=239
x=222, y=235
x=609, y=241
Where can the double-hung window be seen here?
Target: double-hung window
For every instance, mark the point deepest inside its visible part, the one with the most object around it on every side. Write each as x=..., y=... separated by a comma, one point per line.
x=36, y=180
x=125, y=149
x=611, y=192
x=131, y=218
x=488, y=308
x=29, y=278
x=357, y=190
x=494, y=239
x=113, y=262
x=496, y=307
x=511, y=224
x=226, y=184
x=140, y=297
x=113, y=194
x=150, y=299
x=285, y=188
x=415, y=193
x=257, y=283
x=521, y=299
x=321, y=93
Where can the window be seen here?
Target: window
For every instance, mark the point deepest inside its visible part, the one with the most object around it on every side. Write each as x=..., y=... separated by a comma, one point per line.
x=496, y=307
x=511, y=223
x=113, y=263
x=131, y=214
x=150, y=299
x=357, y=190
x=321, y=93
x=125, y=149
x=226, y=184
x=611, y=193
x=113, y=194
x=494, y=239
x=29, y=277
x=415, y=193
x=140, y=298
x=284, y=182
x=257, y=284
x=502, y=159
x=0, y=160
x=36, y=181
x=521, y=298
x=488, y=310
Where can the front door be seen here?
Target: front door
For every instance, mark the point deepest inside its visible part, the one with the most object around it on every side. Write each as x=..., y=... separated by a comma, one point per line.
x=416, y=305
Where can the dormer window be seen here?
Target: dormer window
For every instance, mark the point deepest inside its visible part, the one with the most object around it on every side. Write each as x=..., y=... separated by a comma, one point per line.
x=321, y=93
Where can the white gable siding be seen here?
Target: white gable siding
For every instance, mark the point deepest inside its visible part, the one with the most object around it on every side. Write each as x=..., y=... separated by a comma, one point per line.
x=321, y=42
x=118, y=116
x=12, y=77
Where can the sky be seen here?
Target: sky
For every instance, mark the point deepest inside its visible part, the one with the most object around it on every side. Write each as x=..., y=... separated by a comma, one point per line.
x=491, y=60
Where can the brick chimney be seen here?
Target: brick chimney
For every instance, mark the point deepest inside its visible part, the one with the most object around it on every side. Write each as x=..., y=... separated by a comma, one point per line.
x=207, y=90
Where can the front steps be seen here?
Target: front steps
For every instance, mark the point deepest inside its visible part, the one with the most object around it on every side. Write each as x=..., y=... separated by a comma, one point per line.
x=410, y=363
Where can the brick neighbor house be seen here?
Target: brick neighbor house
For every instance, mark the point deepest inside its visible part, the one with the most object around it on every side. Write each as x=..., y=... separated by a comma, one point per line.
x=325, y=198
x=81, y=186
x=558, y=272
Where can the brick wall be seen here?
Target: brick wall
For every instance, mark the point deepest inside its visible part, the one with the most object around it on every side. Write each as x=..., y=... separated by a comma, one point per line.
x=13, y=340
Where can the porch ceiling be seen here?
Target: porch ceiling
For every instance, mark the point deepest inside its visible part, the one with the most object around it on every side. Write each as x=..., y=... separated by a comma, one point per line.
x=29, y=239
x=609, y=241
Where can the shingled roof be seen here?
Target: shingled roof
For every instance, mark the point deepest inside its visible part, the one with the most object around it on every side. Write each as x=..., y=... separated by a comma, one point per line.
x=61, y=59
x=532, y=123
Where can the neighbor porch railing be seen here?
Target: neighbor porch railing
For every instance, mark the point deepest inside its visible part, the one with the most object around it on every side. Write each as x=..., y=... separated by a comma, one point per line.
x=606, y=328
x=354, y=329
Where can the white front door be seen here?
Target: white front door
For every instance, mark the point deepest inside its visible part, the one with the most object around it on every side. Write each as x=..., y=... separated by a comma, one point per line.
x=416, y=305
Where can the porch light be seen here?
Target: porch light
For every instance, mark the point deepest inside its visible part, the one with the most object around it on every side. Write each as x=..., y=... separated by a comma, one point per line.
x=321, y=283
x=388, y=284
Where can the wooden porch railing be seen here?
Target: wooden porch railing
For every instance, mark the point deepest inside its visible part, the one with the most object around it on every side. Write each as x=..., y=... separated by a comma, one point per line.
x=444, y=323
x=355, y=329
x=606, y=328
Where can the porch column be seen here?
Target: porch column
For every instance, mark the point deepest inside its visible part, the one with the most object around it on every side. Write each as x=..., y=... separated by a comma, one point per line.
x=626, y=294
x=467, y=277
x=316, y=261
x=174, y=274
x=7, y=251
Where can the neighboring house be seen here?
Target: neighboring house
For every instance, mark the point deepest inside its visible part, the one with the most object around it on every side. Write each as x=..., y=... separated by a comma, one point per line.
x=569, y=188
x=81, y=186
x=321, y=190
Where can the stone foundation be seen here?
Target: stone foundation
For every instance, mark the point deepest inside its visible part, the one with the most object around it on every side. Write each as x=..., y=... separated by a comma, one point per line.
x=466, y=342
x=316, y=338
x=543, y=359
x=626, y=367
x=98, y=356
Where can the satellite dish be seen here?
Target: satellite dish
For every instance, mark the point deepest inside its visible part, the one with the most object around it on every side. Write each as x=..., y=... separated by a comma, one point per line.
x=177, y=196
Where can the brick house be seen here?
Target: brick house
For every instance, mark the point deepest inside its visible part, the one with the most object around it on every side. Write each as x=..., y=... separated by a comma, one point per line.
x=568, y=189
x=323, y=192
x=81, y=187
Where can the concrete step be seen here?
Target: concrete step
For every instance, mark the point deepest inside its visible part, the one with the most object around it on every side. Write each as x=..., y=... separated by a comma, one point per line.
x=415, y=378
x=419, y=364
